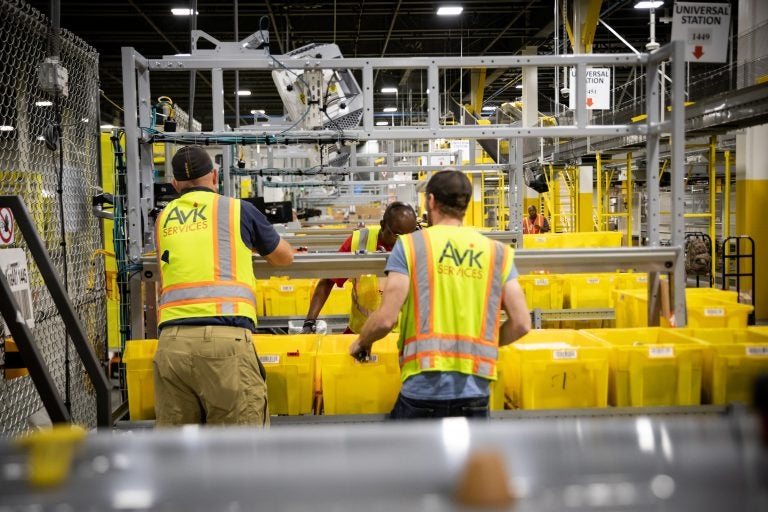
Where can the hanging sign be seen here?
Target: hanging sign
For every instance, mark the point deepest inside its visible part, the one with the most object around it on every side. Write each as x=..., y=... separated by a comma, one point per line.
x=13, y=264
x=6, y=226
x=598, y=89
x=704, y=28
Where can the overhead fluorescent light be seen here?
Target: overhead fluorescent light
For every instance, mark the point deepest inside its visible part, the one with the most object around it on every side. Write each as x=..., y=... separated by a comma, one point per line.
x=43, y=103
x=519, y=86
x=489, y=108
x=382, y=123
x=183, y=55
x=644, y=4
x=257, y=111
x=106, y=127
x=40, y=137
x=389, y=90
x=243, y=92
x=389, y=109
x=6, y=128
x=182, y=11
x=449, y=10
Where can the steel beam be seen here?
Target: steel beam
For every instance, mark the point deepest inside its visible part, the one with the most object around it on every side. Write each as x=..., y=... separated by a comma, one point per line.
x=641, y=259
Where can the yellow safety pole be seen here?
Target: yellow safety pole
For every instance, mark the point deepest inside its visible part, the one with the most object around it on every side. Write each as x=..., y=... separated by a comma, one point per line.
x=599, y=169
x=712, y=192
x=629, y=199
x=727, y=197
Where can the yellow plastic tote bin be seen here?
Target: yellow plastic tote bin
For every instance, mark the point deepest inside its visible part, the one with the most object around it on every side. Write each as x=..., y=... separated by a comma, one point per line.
x=589, y=290
x=351, y=387
x=290, y=362
x=631, y=308
x=287, y=297
x=543, y=291
x=141, y=384
x=733, y=358
x=705, y=311
x=555, y=369
x=498, y=393
x=339, y=301
x=542, y=241
x=631, y=281
x=705, y=306
x=652, y=366
x=712, y=293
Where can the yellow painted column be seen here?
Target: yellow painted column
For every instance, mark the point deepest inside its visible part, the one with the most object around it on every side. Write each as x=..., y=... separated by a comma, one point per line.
x=110, y=267
x=751, y=198
x=586, y=222
x=475, y=212
x=752, y=155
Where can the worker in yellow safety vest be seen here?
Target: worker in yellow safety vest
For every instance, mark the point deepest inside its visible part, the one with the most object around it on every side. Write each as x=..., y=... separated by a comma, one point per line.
x=534, y=223
x=206, y=369
x=451, y=283
x=399, y=219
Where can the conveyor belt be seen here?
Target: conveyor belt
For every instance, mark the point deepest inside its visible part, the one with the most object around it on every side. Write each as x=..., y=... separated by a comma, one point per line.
x=674, y=463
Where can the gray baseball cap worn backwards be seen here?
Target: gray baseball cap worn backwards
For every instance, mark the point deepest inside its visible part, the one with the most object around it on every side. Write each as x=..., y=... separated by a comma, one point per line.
x=191, y=162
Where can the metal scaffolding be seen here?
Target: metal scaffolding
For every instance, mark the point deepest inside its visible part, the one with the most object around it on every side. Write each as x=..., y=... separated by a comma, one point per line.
x=136, y=85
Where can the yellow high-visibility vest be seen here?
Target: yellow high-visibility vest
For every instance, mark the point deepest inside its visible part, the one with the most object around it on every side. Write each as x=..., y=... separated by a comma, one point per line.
x=450, y=320
x=366, y=297
x=206, y=269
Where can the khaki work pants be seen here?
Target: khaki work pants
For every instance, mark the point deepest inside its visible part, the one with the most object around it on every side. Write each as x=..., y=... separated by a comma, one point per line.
x=208, y=374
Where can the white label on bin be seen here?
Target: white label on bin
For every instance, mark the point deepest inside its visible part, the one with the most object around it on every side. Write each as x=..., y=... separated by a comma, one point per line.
x=540, y=239
x=642, y=279
x=593, y=280
x=286, y=288
x=541, y=282
x=714, y=312
x=661, y=352
x=373, y=358
x=757, y=351
x=269, y=359
x=564, y=354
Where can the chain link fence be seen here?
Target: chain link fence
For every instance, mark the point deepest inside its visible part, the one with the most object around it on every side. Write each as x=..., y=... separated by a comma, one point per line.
x=30, y=167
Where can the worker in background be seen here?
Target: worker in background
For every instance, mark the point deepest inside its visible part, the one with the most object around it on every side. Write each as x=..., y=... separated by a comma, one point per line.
x=451, y=283
x=534, y=223
x=206, y=369
x=399, y=219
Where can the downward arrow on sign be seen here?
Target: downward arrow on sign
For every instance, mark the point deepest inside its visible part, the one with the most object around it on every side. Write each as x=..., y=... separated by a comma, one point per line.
x=698, y=52
x=589, y=102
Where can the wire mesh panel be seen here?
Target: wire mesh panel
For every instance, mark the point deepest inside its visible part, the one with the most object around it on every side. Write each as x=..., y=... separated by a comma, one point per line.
x=55, y=171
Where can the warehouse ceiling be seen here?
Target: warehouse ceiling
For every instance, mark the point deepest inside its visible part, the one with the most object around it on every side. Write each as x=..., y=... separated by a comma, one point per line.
x=365, y=28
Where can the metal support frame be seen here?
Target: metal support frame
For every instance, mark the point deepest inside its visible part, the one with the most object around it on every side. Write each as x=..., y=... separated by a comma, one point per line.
x=23, y=336
x=640, y=259
x=652, y=130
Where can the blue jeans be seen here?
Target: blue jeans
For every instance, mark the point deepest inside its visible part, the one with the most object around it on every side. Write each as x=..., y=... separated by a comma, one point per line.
x=411, y=409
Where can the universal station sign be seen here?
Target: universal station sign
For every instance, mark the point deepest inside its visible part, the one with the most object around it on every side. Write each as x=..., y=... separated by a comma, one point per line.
x=704, y=27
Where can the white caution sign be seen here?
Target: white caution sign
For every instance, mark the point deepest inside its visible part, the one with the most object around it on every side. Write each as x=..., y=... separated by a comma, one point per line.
x=6, y=226
x=598, y=89
x=704, y=28
x=13, y=263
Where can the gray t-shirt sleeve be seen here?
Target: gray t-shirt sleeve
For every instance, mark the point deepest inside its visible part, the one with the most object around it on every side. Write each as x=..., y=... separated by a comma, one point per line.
x=396, y=261
x=513, y=273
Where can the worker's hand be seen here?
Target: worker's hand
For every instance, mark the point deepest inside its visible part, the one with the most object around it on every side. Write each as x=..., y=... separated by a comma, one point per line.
x=309, y=327
x=359, y=352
